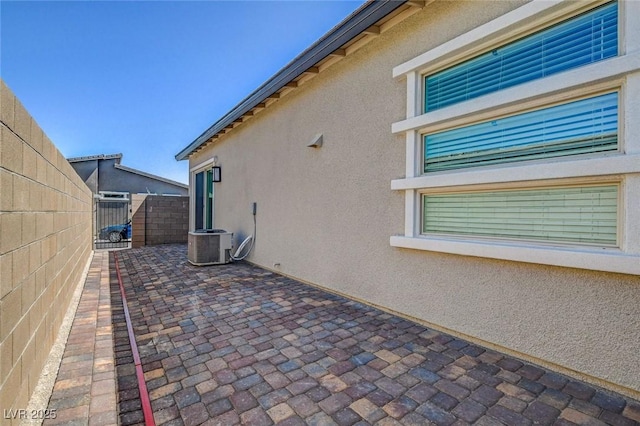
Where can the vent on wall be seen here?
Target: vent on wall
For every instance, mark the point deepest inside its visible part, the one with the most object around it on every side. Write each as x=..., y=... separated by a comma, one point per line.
x=209, y=247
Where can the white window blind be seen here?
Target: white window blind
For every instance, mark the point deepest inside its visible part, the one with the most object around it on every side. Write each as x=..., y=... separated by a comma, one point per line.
x=586, y=214
x=580, y=127
x=587, y=38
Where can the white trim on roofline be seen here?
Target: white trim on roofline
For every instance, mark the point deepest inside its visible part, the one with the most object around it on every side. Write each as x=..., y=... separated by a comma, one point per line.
x=150, y=176
x=371, y=19
x=94, y=157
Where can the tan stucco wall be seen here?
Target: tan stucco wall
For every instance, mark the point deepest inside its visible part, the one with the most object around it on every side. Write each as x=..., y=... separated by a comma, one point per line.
x=325, y=216
x=45, y=244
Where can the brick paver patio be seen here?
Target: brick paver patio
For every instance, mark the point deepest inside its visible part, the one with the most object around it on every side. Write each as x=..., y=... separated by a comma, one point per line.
x=85, y=389
x=237, y=344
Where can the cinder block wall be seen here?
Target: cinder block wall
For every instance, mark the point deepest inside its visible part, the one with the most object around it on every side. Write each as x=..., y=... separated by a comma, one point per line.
x=45, y=243
x=159, y=219
x=138, y=220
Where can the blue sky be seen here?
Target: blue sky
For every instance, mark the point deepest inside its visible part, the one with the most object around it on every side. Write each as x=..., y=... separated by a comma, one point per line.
x=145, y=78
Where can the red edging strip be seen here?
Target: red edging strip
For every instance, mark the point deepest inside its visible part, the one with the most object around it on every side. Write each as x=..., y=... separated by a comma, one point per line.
x=142, y=385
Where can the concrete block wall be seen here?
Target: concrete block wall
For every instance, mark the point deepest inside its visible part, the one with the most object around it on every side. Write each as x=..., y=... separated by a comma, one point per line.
x=45, y=243
x=159, y=219
x=138, y=220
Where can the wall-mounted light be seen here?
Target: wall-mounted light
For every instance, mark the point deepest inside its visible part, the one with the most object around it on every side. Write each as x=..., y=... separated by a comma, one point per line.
x=217, y=174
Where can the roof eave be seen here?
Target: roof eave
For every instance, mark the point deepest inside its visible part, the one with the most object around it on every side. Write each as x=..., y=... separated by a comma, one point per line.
x=355, y=24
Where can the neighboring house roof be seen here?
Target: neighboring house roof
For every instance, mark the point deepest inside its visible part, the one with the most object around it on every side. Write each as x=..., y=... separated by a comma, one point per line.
x=117, y=165
x=365, y=23
x=149, y=175
x=118, y=157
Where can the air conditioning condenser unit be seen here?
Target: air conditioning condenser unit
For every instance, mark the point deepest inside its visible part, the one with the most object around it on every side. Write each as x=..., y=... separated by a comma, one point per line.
x=209, y=247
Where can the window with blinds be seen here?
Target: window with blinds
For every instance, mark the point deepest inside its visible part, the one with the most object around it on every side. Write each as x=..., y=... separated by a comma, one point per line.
x=582, y=40
x=586, y=214
x=580, y=127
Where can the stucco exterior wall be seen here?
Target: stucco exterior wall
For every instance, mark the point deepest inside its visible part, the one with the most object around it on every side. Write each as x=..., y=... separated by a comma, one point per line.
x=45, y=244
x=325, y=215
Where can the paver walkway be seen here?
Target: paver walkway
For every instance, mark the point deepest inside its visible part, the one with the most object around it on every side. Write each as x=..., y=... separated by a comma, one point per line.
x=85, y=388
x=237, y=344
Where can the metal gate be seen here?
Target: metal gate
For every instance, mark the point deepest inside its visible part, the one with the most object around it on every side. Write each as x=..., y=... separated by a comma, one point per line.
x=112, y=220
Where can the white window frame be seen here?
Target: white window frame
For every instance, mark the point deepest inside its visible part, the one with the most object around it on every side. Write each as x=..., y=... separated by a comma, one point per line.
x=620, y=73
x=193, y=171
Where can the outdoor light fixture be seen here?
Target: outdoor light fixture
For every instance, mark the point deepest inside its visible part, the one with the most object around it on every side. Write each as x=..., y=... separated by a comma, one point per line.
x=217, y=174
